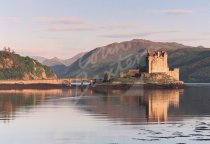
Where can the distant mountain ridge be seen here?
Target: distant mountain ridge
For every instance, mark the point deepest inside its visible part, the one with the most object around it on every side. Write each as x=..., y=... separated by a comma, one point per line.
x=58, y=65
x=57, y=61
x=52, y=62
x=194, y=62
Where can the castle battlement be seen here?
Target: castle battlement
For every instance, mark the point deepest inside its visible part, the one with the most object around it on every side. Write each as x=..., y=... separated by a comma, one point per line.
x=157, y=54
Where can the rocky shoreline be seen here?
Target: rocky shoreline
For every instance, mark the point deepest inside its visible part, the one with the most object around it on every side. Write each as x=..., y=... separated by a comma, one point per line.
x=140, y=85
x=31, y=86
x=102, y=86
x=165, y=86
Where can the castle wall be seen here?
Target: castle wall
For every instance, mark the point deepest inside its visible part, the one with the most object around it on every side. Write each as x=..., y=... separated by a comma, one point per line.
x=157, y=63
x=131, y=72
x=123, y=75
x=174, y=73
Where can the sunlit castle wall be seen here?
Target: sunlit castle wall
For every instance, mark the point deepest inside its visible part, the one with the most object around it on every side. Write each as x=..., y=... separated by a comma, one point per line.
x=174, y=73
x=157, y=62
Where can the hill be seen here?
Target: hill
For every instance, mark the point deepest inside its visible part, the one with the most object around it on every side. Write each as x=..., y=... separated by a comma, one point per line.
x=58, y=65
x=14, y=66
x=39, y=58
x=194, y=62
x=58, y=70
x=70, y=61
x=58, y=62
x=52, y=62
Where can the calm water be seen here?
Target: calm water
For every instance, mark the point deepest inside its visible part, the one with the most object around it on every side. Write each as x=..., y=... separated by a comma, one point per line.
x=108, y=117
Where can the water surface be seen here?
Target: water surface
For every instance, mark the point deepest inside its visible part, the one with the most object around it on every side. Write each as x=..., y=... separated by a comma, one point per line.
x=107, y=117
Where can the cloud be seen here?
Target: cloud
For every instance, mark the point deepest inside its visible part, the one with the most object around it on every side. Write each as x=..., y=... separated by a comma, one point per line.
x=80, y=24
x=72, y=28
x=92, y=28
x=171, y=11
x=117, y=26
x=129, y=35
x=67, y=20
x=143, y=34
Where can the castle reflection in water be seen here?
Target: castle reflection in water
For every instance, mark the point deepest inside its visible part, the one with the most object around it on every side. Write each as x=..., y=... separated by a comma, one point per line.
x=159, y=102
x=137, y=105
x=133, y=105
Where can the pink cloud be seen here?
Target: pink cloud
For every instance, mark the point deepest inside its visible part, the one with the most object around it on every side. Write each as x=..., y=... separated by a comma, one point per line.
x=171, y=11
x=72, y=28
x=93, y=28
x=141, y=34
x=67, y=20
x=117, y=26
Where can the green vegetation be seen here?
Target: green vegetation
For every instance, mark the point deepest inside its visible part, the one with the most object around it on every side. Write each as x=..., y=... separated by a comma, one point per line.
x=160, y=78
x=127, y=80
x=150, y=78
x=14, y=66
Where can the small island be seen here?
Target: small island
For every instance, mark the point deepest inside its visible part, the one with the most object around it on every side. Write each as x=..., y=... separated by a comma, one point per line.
x=156, y=74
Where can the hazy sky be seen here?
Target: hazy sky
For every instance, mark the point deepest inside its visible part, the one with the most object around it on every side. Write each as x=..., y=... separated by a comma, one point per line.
x=64, y=28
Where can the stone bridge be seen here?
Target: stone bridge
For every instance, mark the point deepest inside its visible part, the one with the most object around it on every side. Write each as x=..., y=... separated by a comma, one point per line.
x=62, y=81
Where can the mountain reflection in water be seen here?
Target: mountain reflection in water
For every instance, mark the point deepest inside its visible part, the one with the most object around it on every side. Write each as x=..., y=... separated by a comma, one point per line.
x=133, y=105
x=13, y=100
x=106, y=116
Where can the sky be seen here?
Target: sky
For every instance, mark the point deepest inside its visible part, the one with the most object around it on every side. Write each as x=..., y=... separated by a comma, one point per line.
x=63, y=28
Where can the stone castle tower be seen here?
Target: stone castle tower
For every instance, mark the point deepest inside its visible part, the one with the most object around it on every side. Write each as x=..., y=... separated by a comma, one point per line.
x=157, y=62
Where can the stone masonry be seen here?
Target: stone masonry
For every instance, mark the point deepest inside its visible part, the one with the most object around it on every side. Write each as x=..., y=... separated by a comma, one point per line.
x=157, y=62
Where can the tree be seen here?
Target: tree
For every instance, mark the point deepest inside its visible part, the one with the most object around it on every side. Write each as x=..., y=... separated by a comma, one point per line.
x=107, y=77
x=13, y=52
x=5, y=49
x=8, y=49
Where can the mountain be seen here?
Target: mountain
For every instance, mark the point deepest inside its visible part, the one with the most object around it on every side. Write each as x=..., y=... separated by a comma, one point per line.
x=58, y=62
x=52, y=62
x=58, y=66
x=59, y=70
x=39, y=58
x=70, y=61
x=194, y=62
x=14, y=66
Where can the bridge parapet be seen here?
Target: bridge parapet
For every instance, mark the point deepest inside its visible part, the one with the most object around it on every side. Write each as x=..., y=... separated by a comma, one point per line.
x=62, y=81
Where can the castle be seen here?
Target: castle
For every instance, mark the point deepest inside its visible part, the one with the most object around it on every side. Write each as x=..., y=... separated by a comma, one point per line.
x=157, y=62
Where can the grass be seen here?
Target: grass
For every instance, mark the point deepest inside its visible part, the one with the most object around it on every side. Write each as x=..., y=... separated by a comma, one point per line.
x=153, y=78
